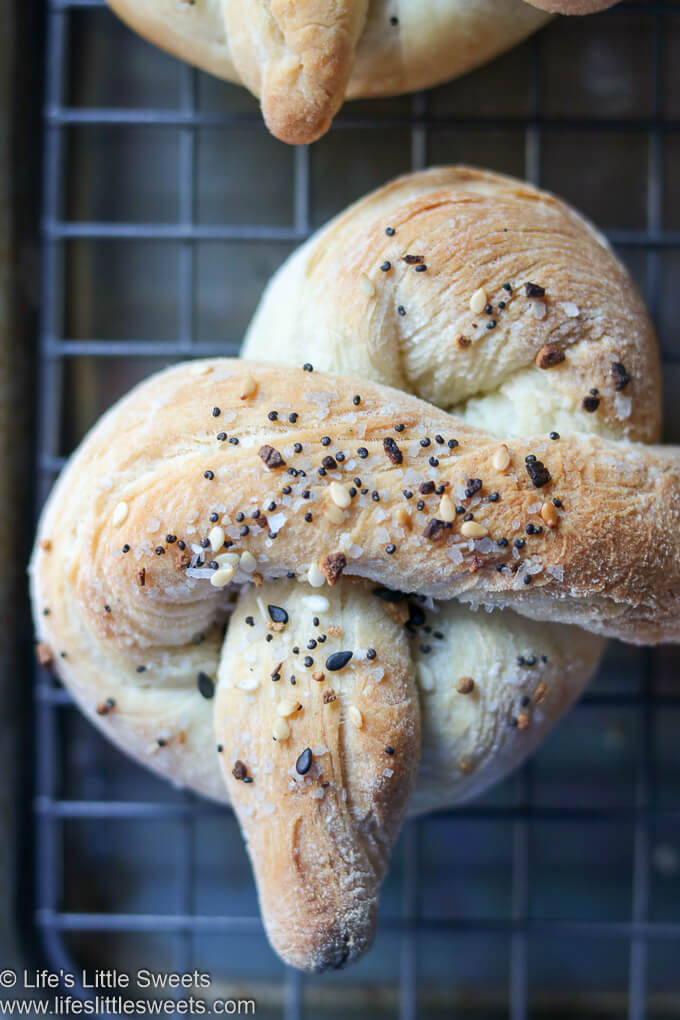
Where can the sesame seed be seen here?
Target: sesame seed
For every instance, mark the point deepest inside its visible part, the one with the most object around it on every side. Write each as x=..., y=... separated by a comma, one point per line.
x=391, y=548
x=471, y=529
x=478, y=300
x=356, y=716
x=307, y=367
x=119, y=514
x=386, y=266
x=356, y=399
x=209, y=475
x=304, y=762
x=401, y=310
x=215, y=412
x=338, y=660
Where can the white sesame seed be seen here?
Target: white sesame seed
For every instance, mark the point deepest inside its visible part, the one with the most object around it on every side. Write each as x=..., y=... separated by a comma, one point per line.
x=367, y=286
x=356, y=716
x=501, y=458
x=478, y=301
x=286, y=708
x=248, y=562
x=222, y=577
x=315, y=576
x=340, y=495
x=447, y=511
x=249, y=387
x=119, y=514
x=216, y=538
x=281, y=729
x=471, y=529
x=317, y=603
x=334, y=513
x=549, y=514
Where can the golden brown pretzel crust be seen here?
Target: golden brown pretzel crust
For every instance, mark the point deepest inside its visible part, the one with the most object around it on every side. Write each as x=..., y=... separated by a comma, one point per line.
x=303, y=58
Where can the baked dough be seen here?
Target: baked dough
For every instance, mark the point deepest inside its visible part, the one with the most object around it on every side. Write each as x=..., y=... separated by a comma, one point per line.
x=333, y=688
x=302, y=60
x=134, y=623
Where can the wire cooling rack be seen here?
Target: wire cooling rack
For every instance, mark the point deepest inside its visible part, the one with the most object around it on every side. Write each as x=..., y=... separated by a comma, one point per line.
x=165, y=207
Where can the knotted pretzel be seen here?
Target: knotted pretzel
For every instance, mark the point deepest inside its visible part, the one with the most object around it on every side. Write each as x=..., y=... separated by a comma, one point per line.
x=329, y=512
x=304, y=58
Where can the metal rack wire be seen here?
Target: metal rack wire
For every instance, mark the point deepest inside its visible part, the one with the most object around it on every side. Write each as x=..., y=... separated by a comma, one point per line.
x=643, y=690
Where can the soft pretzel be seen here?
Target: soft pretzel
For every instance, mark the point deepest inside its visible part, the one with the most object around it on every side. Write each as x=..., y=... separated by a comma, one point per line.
x=132, y=613
x=302, y=59
x=194, y=457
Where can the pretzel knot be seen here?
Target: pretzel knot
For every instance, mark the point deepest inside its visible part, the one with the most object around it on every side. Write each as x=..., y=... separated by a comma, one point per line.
x=304, y=58
x=345, y=522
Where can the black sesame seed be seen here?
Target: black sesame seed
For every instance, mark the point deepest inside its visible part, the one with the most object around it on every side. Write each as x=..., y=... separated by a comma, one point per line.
x=311, y=644
x=491, y=324
x=181, y=544
x=557, y=502
x=394, y=21
x=277, y=614
x=308, y=517
x=304, y=762
x=527, y=578
x=389, y=750
x=307, y=367
x=391, y=548
x=352, y=492
x=371, y=653
x=356, y=399
x=160, y=551
x=234, y=440
x=519, y=543
x=240, y=516
x=245, y=530
x=422, y=268
x=494, y=497
x=408, y=494
x=309, y=661
x=502, y=542
x=126, y=548
x=530, y=529
x=420, y=505
x=401, y=310
x=209, y=475
x=433, y=462
x=340, y=456
x=386, y=266
x=399, y=427
x=439, y=439
x=292, y=417
x=213, y=519
x=426, y=441
x=250, y=621
x=390, y=231
x=221, y=436
x=375, y=496
x=325, y=440
x=554, y=435
x=452, y=444
x=206, y=686
x=286, y=490
x=489, y=310
x=363, y=452
x=272, y=506
x=506, y=286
